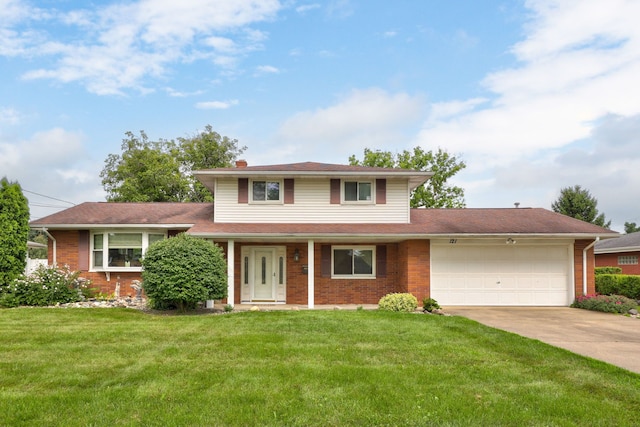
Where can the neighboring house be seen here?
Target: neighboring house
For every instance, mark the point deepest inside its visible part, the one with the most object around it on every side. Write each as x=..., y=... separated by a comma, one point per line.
x=312, y=233
x=621, y=252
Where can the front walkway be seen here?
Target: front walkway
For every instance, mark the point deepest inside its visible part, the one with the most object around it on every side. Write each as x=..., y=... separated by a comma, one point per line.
x=612, y=338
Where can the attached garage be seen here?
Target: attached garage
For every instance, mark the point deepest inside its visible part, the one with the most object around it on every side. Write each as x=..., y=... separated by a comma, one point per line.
x=500, y=273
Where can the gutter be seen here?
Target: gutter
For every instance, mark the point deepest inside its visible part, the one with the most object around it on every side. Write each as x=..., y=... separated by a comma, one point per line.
x=584, y=265
x=55, y=244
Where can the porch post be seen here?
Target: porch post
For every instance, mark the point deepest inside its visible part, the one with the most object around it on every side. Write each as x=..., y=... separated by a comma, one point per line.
x=230, y=273
x=311, y=273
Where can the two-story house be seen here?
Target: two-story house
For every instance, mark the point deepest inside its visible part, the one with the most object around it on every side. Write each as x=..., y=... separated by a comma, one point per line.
x=312, y=233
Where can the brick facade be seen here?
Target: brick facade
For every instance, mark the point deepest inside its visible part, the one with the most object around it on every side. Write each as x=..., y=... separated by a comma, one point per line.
x=407, y=270
x=578, y=249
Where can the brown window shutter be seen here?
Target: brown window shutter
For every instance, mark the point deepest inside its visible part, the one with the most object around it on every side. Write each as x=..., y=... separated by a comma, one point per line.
x=381, y=261
x=83, y=250
x=288, y=191
x=325, y=260
x=243, y=190
x=381, y=191
x=335, y=191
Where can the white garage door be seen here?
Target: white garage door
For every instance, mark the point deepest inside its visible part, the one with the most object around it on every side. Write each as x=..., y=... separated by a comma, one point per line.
x=501, y=275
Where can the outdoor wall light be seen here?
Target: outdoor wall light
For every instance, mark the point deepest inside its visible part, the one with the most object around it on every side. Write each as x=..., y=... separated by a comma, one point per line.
x=510, y=241
x=296, y=255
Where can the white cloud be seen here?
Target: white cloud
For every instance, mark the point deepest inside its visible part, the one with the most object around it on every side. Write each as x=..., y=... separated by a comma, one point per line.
x=216, y=105
x=10, y=116
x=122, y=45
x=561, y=117
x=302, y=9
x=267, y=69
x=55, y=163
x=362, y=118
x=566, y=80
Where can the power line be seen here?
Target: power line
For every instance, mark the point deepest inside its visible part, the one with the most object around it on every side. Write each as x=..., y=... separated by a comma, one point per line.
x=48, y=197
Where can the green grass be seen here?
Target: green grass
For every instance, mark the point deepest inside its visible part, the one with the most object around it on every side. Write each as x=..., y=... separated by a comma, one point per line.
x=112, y=367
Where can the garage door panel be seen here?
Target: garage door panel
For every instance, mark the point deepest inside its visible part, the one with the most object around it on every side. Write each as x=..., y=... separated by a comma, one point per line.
x=500, y=275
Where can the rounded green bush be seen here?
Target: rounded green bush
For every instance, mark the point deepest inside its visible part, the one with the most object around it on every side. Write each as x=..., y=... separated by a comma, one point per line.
x=398, y=302
x=183, y=270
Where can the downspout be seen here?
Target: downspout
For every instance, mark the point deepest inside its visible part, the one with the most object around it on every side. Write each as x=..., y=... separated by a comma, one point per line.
x=55, y=256
x=584, y=265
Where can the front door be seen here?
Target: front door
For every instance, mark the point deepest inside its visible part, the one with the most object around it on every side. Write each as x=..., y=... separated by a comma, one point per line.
x=264, y=275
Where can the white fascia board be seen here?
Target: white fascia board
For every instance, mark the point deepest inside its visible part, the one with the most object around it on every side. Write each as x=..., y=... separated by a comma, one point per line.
x=394, y=237
x=617, y=250
x=108, y=226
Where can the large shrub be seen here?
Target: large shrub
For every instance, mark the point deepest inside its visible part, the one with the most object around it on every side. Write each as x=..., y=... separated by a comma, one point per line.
x=47, y=285
x=398, y=302
x=181, y=271
x=618, y=284
x=606, y=303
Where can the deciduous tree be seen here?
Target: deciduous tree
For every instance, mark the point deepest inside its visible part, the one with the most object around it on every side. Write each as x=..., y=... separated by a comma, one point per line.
x=436, y=192
x=631, y=227
x=14, y=231
x=578, y=203
x=161, y=171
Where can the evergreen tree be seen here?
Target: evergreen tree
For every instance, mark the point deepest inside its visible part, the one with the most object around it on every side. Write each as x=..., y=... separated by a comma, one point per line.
x=578, y=203
x=14, y=231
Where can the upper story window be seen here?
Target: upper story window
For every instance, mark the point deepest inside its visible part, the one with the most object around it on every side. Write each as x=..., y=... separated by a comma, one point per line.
x=358, y=191
x=266, y=191
x=627, y=260
x=353, y=261
x=121, y=250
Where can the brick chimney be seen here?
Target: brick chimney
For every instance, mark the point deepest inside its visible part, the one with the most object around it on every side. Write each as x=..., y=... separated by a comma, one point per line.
x=241, y=163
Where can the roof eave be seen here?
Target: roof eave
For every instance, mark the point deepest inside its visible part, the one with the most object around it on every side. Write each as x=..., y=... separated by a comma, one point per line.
x=415, y=178
x=100, y=226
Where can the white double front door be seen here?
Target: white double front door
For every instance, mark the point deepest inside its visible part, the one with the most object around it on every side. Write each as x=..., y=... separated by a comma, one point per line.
x=263, y=275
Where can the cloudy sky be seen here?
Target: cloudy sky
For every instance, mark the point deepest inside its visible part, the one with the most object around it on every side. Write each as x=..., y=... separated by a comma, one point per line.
x=533, y=95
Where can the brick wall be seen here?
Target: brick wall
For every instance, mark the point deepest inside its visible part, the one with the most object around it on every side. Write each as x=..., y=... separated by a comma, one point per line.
x=414, y=266
x=578, y=248
x=611, y=260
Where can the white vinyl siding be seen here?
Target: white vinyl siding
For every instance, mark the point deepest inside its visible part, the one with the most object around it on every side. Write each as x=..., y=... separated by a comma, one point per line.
x=312, y=205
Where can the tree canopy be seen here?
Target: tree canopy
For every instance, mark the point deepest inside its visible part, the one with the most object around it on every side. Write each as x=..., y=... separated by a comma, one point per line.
x=436, y=192
x=161, y=171
x=14, y=231
x=578, y=203
x=631, y=227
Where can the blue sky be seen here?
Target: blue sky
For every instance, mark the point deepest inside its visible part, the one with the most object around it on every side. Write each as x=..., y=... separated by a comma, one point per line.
x=533, y=95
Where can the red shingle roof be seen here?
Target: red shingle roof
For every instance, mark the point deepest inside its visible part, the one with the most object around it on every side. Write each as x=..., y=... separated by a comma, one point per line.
x=106, y=213
x=198, y=217
x=310, y=167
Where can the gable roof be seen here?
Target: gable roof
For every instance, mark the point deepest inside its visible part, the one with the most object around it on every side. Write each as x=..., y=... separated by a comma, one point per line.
x=425, y=223
x=625, y=243
x=110, y=214
x=309, y=170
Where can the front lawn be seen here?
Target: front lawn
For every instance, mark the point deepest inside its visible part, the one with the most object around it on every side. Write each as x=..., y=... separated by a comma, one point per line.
x=109, y=367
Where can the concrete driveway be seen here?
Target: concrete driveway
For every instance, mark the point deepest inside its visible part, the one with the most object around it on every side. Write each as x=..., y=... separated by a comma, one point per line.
x=609, y=337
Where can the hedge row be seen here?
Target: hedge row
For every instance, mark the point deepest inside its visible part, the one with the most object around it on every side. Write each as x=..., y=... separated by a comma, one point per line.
x=618, y=284
x=608, y=270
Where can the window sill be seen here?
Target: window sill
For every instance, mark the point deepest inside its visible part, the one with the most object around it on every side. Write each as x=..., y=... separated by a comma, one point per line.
x=353, y=277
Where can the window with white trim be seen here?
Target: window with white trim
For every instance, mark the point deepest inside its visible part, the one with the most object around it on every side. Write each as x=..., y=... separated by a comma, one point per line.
x=628, y=260
x=121, y=250
x=353, y=261
x=358, y=191
x=266, y=191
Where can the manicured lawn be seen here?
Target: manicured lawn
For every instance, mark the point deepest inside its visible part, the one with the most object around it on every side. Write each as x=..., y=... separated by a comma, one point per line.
x=110, y=367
